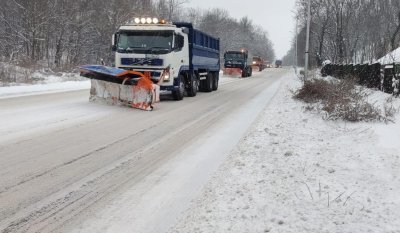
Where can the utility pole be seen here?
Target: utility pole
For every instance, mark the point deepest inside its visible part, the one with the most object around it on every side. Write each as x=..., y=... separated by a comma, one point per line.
x=307, y=40
x=296, y=47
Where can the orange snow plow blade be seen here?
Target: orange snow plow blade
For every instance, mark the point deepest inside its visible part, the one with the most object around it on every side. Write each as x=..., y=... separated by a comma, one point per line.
x=256, y=68
x=232, y=71
x=116, y=86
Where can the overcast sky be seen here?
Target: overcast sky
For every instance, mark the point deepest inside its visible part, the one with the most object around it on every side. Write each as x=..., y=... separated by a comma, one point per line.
x=275, y=16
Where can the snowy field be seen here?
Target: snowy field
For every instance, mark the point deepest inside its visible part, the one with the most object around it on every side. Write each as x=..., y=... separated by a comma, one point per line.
x=295, y=172
x=27, y=90
x=45, y=84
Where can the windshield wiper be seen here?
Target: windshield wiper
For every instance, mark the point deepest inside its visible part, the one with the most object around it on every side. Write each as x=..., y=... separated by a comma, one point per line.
x=134, y=48
x=130, y=49
x=158, y=48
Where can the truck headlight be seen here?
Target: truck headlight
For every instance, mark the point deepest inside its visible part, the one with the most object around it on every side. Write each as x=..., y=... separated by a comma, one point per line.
x=254, y=62
x=167, y=77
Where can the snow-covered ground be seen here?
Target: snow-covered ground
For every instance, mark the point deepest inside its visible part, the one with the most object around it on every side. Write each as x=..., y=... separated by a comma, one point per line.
x=295, y=172
x=26, y=90
x=292, y=172
x=391, y=57
x=42, y=83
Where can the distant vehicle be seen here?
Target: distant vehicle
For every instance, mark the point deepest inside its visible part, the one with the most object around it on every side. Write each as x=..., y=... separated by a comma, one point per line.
x=278, y=64
x=238, y=62
x=259, y=63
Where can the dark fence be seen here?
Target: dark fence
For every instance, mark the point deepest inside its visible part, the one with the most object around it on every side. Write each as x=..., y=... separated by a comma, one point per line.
x=369, y=75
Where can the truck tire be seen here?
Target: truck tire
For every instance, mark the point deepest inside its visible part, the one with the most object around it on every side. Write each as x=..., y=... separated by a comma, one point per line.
x=245, y=73
x=178, y=94
x=207, y=84
x=193, y=86
x=215, y=81
x=250, y=71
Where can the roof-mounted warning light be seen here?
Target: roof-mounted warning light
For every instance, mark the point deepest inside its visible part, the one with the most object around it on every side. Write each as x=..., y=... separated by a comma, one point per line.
x=148, y=20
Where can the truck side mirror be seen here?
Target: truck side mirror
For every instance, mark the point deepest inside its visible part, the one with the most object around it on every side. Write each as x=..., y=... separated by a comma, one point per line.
x=181, y=41
x=114, y=40
x=185, y=30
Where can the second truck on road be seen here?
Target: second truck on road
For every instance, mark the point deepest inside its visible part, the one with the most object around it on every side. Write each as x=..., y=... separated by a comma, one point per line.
x=238, y=62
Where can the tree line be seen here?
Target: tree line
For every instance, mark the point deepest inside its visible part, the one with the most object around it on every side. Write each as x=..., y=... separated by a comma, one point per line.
x=61, y=34
x=347, y=31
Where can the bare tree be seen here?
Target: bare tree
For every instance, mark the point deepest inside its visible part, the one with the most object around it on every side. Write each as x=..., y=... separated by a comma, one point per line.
x=352, y=31
x=61, y=34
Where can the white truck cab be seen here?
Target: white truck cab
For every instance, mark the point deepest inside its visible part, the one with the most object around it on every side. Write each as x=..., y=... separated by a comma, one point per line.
x=179, y=58
x=159, y=48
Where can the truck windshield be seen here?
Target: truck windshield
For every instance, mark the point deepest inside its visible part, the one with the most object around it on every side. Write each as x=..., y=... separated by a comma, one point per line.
x=234, y=55
x=145, y=42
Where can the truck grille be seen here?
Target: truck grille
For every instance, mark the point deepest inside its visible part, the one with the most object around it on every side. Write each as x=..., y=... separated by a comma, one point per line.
x=142, y=61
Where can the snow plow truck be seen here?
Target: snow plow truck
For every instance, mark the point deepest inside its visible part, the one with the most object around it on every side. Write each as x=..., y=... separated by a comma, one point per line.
x=238, y=63
x=258, y=63
x=278, y=64
x=154, y=56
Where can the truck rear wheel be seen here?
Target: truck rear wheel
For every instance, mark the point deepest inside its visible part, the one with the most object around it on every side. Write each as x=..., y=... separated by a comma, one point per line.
x=207, y=84
x=215, y=81
x=193, y=86
x=178, y=94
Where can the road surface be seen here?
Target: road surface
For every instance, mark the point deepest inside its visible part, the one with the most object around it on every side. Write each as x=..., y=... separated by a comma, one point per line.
x=64, y=160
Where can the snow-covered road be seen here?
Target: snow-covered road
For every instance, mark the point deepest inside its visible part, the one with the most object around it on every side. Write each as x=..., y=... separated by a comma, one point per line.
x=70, y=165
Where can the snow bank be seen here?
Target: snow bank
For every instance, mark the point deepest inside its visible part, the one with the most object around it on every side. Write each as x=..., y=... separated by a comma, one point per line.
x=388, y=134
x=295, y=172
x=25, y=90
x=17, y=81
x=391, y=57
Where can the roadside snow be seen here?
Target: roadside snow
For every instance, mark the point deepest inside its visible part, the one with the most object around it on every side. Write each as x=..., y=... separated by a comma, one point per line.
x=25, y=90
x=391, y=57
x=295, y=172
x=38, y=83
x=389, y=137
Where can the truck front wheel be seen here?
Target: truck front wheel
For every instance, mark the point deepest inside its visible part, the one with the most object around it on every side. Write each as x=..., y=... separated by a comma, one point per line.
x=245, y=73
x=178, y=94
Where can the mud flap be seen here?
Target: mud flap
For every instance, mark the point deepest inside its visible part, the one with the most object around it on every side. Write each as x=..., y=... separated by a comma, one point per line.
x=256, y=68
